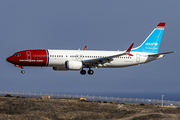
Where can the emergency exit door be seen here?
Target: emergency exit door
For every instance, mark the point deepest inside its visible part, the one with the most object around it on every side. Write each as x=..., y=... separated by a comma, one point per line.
x=137, y=58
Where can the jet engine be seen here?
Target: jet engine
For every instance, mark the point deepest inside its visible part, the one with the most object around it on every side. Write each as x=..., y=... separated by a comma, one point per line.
x=73, y=65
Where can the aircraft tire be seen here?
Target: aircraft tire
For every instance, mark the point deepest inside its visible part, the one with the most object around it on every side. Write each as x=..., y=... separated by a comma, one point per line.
x=90, y=72
x=83, y=72
x=22, y=71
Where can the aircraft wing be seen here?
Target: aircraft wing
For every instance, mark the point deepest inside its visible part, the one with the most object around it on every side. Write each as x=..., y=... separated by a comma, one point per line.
x=162, y=53
x=107, y=59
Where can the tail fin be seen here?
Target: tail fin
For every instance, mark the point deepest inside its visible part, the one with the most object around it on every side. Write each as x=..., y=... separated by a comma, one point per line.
x=153, y=41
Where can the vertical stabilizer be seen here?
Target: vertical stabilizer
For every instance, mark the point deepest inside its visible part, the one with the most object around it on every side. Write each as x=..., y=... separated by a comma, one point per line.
x=153, y=41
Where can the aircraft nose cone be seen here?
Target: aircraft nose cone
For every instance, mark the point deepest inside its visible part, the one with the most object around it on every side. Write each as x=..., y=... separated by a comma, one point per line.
x=9, y=59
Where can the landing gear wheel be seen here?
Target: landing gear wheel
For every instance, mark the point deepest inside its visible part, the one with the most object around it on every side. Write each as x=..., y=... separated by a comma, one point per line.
x=83, y=72
x=90, y=72
x=22, y=71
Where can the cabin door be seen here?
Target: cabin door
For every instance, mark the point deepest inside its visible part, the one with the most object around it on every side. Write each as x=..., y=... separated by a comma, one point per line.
x=28, y=54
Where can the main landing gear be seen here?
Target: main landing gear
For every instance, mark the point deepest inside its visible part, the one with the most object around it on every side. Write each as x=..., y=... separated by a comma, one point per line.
x=83, y=72
x=90, y=72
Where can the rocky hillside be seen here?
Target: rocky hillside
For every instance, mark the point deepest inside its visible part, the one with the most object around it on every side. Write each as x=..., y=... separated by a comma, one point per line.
x=18, y=108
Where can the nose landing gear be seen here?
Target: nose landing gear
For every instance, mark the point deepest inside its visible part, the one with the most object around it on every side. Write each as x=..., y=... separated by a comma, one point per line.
x=22, y=71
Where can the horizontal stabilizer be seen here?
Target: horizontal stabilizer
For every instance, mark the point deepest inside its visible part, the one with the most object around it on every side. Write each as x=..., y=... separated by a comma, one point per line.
x=162, y=53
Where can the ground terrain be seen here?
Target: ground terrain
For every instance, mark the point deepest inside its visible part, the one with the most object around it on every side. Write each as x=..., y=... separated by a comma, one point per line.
x=18, y=108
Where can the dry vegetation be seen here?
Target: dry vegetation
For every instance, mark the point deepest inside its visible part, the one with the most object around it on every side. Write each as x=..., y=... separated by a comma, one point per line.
x=13, y=108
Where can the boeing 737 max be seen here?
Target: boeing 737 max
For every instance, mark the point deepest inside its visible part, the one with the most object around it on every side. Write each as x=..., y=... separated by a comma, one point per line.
x=63, y=60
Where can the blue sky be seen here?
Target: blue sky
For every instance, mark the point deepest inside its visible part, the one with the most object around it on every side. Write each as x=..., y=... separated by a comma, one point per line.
x=99, y=24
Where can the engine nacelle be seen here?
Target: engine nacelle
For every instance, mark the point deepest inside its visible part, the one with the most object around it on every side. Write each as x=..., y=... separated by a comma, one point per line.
x=73, y=65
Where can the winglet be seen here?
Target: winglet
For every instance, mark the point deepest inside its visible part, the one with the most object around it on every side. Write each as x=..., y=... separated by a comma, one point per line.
x=129, y=50
x=85, y=48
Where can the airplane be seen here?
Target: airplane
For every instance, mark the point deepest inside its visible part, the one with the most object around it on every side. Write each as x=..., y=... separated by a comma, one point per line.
x=77, y=60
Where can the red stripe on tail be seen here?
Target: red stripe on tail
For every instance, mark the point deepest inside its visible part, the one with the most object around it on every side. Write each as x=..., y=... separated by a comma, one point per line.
x=161, y=24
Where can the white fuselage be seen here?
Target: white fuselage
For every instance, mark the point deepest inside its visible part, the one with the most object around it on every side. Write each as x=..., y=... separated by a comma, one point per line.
x=59, y=57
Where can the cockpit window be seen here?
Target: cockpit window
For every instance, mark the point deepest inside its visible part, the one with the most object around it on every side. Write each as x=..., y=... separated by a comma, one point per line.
x=17, y=54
